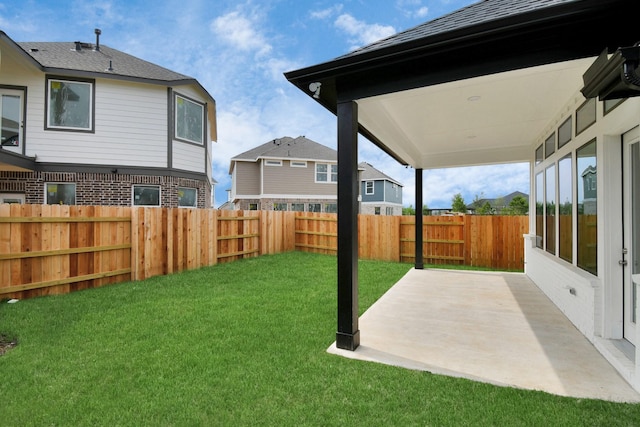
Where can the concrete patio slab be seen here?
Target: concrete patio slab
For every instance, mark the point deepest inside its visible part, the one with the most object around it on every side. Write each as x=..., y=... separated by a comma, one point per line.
x=492, y=327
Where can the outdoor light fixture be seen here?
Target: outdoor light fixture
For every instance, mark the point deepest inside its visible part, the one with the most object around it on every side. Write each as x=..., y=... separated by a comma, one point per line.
x=315, y=88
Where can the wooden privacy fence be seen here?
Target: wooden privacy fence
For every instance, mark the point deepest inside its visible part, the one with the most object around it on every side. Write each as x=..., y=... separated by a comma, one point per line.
x=478, y=241
x=52, y=249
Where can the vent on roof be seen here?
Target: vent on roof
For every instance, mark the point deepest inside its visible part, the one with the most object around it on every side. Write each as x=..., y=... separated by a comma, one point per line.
x=98, y=32
x=81, y=45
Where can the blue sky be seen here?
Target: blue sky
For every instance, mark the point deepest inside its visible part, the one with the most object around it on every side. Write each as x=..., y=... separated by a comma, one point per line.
x=239, y=50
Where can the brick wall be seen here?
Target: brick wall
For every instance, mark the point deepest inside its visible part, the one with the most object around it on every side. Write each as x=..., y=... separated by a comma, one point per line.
x=101, y=188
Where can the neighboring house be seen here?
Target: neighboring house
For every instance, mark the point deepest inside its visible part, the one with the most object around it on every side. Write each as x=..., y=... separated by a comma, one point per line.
x=499, y=81
x=300, y=175
x=85, y=124
x=497, y=204
x=379, y=193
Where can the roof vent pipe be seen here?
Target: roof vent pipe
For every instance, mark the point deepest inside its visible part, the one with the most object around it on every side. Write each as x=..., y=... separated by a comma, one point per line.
x=98, y=32
x=78, y=46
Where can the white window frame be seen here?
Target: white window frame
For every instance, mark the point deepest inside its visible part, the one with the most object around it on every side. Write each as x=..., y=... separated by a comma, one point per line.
x=18, y=198
x=177, y=99
x=195, y=199
x=297, y=164
x=331, y=173
x=133, y=194
x=366, y=187
x=274, y=163
x=46, y=192
x=91, y=106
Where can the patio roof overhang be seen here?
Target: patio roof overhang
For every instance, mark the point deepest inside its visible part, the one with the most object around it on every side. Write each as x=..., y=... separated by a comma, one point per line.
x=479, y=94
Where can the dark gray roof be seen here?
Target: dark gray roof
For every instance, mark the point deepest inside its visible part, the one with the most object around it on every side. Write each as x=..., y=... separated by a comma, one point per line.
x=287, y=147
x=505, y=200
x=64, y=56
x=368, y=173
x=477, y=13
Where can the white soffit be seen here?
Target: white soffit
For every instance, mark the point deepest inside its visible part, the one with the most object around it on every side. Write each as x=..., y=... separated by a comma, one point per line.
x=483, y=120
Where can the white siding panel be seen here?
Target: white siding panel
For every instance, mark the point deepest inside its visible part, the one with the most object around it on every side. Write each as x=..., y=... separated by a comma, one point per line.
x=130, y=128
x=188, y=157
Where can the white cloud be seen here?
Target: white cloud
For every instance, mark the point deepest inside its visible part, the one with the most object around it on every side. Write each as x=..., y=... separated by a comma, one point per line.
x=362, y=33
x=326, y=13
x=240, y=32
x=422, y=12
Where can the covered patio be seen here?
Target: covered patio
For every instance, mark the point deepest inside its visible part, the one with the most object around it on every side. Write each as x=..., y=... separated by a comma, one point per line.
x=488, y=84
x=492, y=327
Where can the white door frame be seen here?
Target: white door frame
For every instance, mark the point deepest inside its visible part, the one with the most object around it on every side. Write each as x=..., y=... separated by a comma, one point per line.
x=631, y=222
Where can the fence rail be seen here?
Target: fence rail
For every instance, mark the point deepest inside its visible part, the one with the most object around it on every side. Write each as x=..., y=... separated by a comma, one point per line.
x=52, y=249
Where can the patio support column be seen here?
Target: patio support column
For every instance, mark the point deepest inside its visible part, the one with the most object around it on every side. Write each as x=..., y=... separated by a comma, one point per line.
x=419, y=239
x=348, y=335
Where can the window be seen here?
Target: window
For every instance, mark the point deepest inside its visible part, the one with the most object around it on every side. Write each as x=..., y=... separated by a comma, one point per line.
x=376, y=210
x=18, y=198
x=565, y=208
x=550, y=208
x=189, y=120
x=369, y=188
x=389, y=211
x=314, y=207
x=539, y=154
x=550, y=145
x=295, y=164
x=273, y=162
x=253, y=206
x=326, y=172
x=331, y=207
x=188, y=197
x=146, y=195
x=539, y=209
x=610, y=104
x=279, y=206
x=564, y=132
x=70, y=105
x=297, y=207
x=60, y=194
x=585, y=115
x=587, y=203
x=10, y=117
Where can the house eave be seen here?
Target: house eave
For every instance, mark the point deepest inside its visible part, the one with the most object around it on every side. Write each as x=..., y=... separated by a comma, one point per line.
x=14, y=162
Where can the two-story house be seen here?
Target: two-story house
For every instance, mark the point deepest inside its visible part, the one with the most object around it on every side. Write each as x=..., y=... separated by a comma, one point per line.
x=302, y=175
x=379, y=193
x=86, y=124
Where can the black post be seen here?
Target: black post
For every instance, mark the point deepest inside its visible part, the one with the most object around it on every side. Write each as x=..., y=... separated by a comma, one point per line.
x=348, y=335
x=419, y=257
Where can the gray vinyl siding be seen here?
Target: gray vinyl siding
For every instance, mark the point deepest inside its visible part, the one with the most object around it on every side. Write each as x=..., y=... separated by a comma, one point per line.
x=383, y=191
x=295, y=181
x=247, y=178
x=392, y=195
x=378, y=192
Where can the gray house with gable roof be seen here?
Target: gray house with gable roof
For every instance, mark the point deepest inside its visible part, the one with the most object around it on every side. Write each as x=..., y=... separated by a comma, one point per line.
x=379, y=193
x=298, y=174
x=85, y=124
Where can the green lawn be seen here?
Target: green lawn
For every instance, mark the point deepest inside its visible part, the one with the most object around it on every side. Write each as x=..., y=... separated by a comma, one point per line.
x=239, y=344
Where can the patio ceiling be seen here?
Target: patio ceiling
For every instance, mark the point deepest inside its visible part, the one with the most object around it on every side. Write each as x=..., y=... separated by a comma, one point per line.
x=482, y=120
